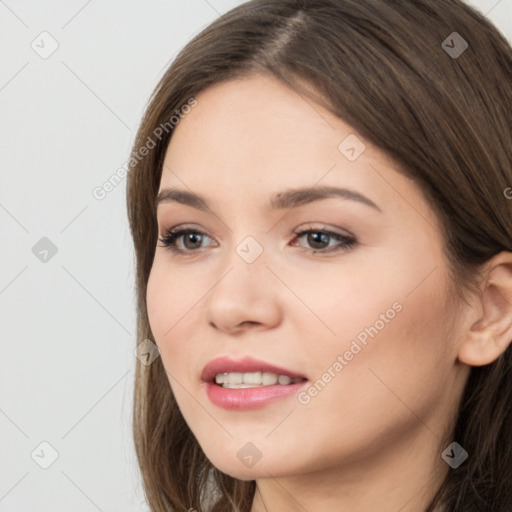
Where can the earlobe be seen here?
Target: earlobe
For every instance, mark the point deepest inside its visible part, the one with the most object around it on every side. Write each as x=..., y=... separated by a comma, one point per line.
x=491, y=334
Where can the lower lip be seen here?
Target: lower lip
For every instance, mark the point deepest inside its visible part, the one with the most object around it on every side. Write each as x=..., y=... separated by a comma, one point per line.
x=249, y=398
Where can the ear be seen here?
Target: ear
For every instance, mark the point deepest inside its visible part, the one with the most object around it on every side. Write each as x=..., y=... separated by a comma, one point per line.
x=491, y=333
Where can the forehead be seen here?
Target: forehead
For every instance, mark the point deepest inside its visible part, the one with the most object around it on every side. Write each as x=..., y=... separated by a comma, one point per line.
x=257, y=127
x=259, y=109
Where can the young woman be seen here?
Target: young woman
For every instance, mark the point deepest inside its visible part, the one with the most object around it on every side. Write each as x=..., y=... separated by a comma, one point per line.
x=320, y=198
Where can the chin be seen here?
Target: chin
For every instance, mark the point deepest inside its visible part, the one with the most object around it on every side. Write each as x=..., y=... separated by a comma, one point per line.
x=235, y=468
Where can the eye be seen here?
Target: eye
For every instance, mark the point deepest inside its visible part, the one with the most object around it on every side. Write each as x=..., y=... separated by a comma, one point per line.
x=319, y=240
x=192, y=239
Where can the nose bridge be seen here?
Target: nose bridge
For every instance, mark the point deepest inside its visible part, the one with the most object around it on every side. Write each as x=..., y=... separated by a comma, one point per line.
x=244, y=294
x=246, y=263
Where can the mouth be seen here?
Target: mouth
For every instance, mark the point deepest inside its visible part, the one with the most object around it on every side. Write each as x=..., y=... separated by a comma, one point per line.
x=248, y=383
x=248, y=373
x=237, y=380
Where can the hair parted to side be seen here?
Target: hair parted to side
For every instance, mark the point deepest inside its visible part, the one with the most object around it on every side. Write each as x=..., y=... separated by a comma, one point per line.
x=379, y=66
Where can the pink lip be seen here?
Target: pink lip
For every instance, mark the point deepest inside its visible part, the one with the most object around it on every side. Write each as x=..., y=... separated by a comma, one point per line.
x=249, y=398
x=246, y=398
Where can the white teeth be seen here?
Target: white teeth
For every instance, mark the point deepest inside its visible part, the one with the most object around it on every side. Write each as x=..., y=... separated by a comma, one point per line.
x=269, y=379
x=284, y=380
x=236, y=380
x=252, y=378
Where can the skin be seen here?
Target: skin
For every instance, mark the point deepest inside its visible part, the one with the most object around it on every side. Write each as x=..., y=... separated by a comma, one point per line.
x=372, y=438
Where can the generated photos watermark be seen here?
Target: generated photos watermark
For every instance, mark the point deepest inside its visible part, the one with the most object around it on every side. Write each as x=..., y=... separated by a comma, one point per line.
x=356, y=346
x=101, y=191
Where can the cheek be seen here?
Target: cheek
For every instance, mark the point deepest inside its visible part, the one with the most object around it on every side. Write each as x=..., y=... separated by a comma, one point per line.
x=395, y=359
x=170, y=300
x=391, y=330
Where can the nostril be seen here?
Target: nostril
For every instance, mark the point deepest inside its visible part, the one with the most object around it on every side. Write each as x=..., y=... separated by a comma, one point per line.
x=249, y=322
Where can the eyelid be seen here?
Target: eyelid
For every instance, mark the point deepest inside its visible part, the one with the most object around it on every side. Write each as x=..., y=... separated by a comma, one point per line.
x=303, y=227
x=321, y=226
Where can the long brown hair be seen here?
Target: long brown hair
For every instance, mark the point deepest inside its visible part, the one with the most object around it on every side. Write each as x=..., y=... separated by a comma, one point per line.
x=391, y=70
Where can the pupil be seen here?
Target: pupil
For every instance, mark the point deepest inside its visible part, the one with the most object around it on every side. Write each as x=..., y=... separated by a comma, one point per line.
x=189, y=237
x=313, y=238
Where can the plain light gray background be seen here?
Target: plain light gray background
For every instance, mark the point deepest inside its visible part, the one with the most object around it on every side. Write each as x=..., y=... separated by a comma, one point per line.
x=68, y=321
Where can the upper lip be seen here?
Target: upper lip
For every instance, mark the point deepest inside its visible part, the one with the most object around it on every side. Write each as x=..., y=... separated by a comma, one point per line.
x=247, y=364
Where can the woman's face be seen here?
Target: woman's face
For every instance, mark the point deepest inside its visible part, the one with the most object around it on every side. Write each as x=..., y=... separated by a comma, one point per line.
x=356, y=320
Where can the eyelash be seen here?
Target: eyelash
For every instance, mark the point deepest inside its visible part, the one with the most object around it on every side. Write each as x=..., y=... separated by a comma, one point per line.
x=169, y=240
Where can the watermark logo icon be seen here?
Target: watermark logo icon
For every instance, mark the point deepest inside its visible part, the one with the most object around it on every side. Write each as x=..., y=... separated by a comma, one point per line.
x=44, y=250
x=146, y=352
x=351, y=147
x=249, y=454
x=45, y=45
x=454, y=455
x=454, y=45
x=249, y=249
x=44, y=455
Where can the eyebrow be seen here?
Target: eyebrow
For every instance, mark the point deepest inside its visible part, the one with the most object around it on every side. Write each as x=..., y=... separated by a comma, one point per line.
x=291, y=198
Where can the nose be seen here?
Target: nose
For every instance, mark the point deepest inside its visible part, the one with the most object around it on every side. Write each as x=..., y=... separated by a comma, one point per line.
x=246, y=296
